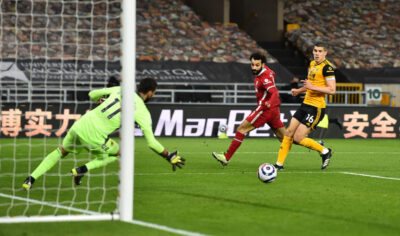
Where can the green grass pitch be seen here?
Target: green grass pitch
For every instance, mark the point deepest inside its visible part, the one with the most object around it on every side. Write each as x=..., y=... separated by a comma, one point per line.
x=358, y=194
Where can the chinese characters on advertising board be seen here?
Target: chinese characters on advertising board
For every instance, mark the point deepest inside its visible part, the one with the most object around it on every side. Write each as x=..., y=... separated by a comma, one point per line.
x=196, y=121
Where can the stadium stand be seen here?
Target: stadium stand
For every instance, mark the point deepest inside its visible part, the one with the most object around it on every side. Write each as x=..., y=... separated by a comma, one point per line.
x=166, y=29
x=172, y=37
x=76, y=45
x=65, y=35
x=362, y=34
x=170, y=30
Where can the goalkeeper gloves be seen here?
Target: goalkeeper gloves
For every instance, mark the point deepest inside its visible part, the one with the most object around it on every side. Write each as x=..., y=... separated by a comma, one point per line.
x=175, y=160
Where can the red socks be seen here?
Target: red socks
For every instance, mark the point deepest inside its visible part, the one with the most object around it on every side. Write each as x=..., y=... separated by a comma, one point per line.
x=235, y=144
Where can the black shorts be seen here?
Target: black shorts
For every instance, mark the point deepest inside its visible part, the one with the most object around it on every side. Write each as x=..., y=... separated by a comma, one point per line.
x=309, y=115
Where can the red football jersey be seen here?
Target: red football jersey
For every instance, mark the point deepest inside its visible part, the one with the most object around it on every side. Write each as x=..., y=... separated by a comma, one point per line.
x=266, y=91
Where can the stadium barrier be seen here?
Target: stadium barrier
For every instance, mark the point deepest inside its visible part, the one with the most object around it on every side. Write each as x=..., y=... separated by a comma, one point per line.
x=179, y=92
x=350, y=98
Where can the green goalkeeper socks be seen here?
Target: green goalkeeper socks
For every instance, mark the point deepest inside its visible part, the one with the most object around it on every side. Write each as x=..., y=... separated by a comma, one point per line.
x=100, y=162
x=48, y=162
x=51, y=159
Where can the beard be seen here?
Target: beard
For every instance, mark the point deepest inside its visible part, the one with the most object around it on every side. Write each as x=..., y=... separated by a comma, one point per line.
x=256, y=72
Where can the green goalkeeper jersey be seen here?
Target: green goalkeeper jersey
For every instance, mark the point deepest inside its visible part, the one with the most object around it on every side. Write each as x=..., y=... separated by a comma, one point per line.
x=95, y=126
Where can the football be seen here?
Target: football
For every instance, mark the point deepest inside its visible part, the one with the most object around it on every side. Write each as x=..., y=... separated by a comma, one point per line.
x=222, y=128
x=267, y=173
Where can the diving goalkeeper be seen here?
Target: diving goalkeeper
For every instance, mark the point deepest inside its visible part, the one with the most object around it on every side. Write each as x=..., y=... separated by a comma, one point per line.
x=92, y=130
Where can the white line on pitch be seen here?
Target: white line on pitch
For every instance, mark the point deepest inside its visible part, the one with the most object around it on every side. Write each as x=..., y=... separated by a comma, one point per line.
x=236, y=172
x=371, y=176
x=335, y=152
x=48, y=204
x=282, y=172
x=71, y=218
x=164, y=228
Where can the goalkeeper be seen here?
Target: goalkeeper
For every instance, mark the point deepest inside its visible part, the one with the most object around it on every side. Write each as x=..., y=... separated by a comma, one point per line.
x=92, y=130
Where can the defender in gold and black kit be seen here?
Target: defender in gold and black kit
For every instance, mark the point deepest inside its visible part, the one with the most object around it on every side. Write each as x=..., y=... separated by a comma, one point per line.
x=320, y=82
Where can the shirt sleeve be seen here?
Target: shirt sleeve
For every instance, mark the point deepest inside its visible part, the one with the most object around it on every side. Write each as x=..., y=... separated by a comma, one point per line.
x=143, y=119
x=95, y=95
x=274, y=98
x=328, y=72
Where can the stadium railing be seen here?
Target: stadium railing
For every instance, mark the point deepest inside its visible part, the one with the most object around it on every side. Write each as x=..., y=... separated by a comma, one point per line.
x=182, y=93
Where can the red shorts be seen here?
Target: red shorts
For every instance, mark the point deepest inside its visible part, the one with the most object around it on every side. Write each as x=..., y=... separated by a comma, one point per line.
x=272, y=117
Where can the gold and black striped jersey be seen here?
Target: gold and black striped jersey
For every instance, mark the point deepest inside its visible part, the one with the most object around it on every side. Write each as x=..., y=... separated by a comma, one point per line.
x=318, y=74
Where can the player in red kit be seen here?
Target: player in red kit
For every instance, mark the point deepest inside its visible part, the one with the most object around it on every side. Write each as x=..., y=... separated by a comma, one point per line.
x=267, y=111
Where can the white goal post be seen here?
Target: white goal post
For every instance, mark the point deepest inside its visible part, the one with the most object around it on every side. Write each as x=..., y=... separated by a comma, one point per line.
x=127, y=128
x=42, y=39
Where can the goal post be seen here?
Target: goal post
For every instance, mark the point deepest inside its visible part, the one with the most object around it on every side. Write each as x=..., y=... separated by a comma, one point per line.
x=128, y=90
x=52, y=53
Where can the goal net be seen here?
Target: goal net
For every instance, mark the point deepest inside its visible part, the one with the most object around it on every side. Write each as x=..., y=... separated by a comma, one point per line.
x=52, y=53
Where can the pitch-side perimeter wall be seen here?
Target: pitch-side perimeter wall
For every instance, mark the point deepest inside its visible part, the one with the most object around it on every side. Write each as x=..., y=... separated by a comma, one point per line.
x=38, y=120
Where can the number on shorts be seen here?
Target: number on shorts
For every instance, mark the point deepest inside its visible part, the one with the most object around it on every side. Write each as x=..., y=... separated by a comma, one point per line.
x=310, y=118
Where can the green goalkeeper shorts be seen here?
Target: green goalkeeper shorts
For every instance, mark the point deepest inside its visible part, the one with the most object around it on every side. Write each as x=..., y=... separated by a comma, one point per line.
x=74, y=143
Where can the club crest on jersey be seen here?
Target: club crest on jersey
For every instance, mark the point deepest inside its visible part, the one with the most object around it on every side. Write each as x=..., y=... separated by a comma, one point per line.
x=267, y=81
x=104, y=146
x=311, y=75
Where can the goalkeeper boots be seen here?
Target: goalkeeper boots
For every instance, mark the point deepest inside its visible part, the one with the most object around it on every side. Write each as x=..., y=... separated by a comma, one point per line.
x=326, y=158
x=221, y=158
x=78, y=174
x=27, y=185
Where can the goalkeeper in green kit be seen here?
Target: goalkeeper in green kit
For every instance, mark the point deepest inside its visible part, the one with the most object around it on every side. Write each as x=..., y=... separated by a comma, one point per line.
x=92, y=130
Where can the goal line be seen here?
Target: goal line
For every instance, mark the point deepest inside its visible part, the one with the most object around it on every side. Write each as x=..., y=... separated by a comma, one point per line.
x=87, y=215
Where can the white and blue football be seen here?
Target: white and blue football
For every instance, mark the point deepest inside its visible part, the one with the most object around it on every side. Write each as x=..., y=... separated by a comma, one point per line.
x=222, y=128
x=267, y=173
